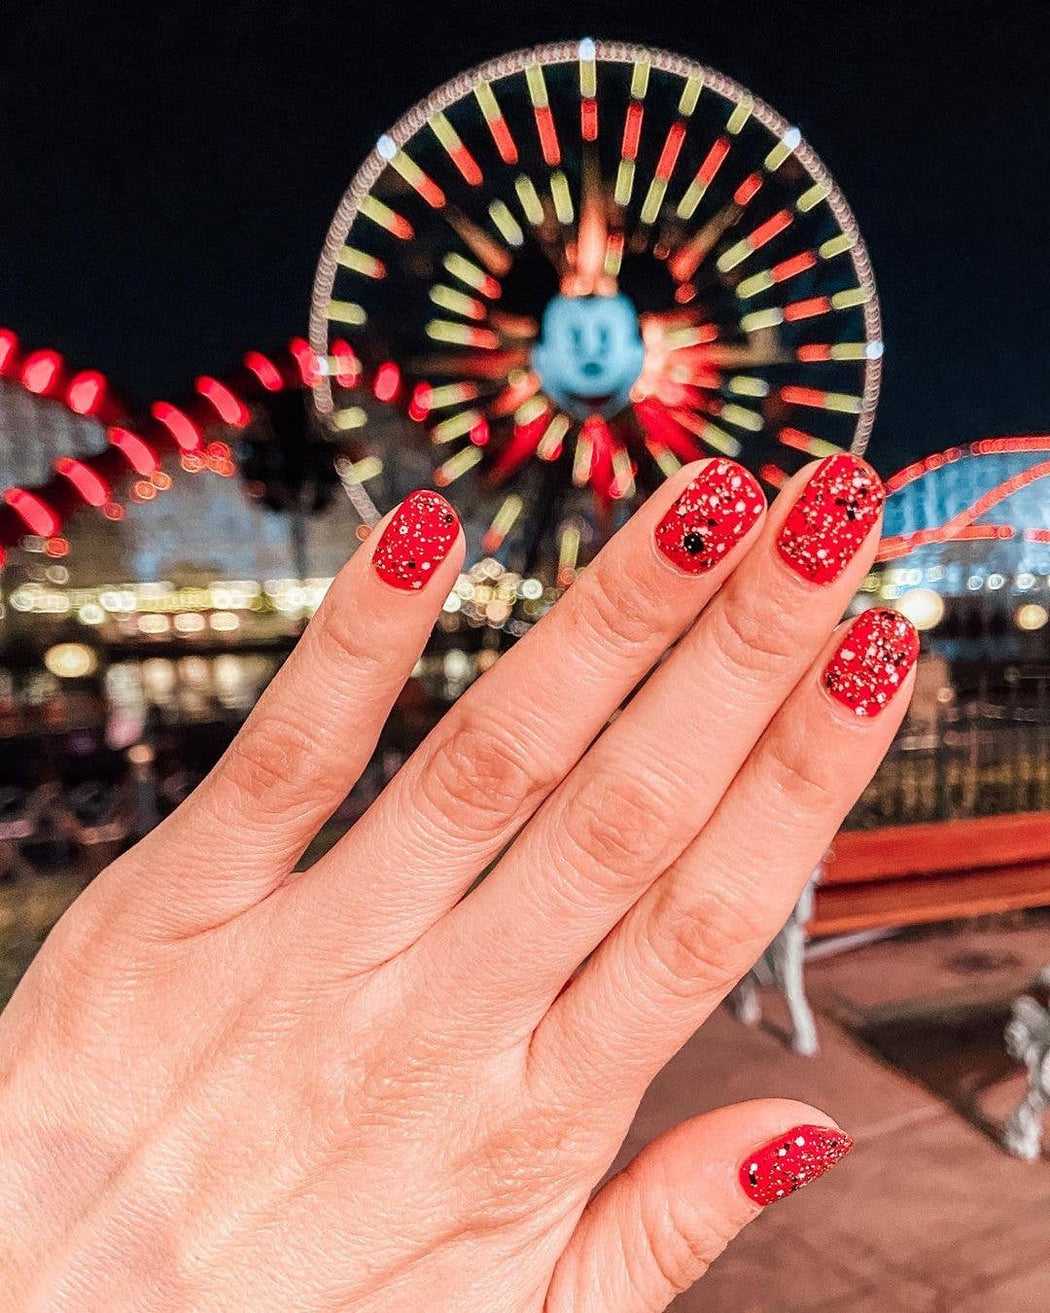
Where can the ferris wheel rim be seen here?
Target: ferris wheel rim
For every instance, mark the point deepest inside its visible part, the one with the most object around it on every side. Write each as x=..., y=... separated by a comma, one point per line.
x=564, y=52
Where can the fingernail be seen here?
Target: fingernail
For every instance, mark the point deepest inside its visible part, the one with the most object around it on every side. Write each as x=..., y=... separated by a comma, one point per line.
x=712, y=515
x=871, y=663
x=832, y=517
x=416, y=540
x=791, y=1161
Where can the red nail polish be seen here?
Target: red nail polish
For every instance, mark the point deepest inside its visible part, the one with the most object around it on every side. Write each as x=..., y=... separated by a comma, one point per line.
x=791, y=1161
x=713, y=514
x=416, y=540
x=875, y=655
x=832, y=517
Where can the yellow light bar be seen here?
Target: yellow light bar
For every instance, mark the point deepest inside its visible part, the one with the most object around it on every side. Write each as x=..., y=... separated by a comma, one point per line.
x=653, y=200
x=361, y=262
x=742, y=418
x=581, y=462
x=812, y=197
x=456, y=426
x=743, y=385
x=736, y=253
x=467, y=272
x=448, y=298
x=552, y=437
x=740, y=115
x=624, y=182
x=762, y=319
x=690, y=95
x=850, y=297
x=352, y=417
x=760, y=282
x=537, y=86
x=346, y=312
x=443, y=330
x=849, y=351
x=835, y=246
x=588, y=78
x=562, y=197
x=844, y=403
x=456, y=466
x=667, y=461
x=530, y=201
x=506, y=223
x=487, y=100
x=640, y=79
x=384, y=216
x=780, y=152
x=504, y=519
x=451, y=394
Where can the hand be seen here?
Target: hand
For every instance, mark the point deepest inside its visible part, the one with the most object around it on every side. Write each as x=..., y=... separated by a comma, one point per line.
x=371, y=1086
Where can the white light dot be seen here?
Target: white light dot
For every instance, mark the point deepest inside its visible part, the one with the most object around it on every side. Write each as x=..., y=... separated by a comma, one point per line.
x=385, y=147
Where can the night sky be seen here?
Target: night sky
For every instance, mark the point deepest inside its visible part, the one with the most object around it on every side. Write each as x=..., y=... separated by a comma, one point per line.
x=170, y=171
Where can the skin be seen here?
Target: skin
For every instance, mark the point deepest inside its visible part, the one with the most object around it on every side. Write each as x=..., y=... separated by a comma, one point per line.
x=223, y=1087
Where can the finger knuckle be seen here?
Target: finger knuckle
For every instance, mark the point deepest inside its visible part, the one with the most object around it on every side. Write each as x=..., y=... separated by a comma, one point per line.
x=753, y=637
x=610, y=612
x=342, y=642
x=704, y=944
x=683, y=1242
x=613, y=824
x=484, y=774
x=270, y=761
x=798, y=779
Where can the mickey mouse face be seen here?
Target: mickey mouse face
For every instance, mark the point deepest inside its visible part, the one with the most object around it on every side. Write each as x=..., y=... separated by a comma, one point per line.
x=590, y=353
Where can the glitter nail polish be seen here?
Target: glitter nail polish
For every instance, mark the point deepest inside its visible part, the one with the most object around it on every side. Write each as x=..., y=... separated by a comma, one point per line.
x=791, y=1161
x=871, y=662
x=712, y=515
x=416, y=540
x=831, y=518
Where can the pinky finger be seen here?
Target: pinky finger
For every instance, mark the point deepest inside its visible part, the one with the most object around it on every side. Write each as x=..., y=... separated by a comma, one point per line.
x=655, y=1229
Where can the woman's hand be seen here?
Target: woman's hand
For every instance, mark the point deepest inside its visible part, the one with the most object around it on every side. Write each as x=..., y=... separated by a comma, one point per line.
x=225, y=1088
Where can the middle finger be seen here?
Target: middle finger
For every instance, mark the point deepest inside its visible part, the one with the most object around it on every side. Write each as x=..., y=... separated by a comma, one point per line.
x=653, y=779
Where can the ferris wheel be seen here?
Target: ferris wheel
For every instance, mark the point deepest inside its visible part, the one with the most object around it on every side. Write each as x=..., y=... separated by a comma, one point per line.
x=576, y=268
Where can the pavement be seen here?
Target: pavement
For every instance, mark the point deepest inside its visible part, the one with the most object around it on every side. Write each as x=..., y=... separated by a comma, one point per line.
x=928, y=1214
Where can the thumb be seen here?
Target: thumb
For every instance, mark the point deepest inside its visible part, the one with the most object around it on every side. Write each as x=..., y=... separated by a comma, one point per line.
x=655, y=1228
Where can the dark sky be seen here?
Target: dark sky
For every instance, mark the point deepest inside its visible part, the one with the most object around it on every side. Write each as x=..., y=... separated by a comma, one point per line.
x=170, y=170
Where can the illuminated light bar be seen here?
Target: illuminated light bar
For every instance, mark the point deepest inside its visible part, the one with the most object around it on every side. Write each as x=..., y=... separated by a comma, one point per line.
x=451, y=394
x=529, y=410
x=442, y=330
x=93, y=489
x=624, y=182
x=479, y=434
x=704, y=175
x=850, y=297
x=456, y=426
x=740, y=115
x=762, y=235
x=550, y=445
x=184, y=433
x=813, y=196
x=835, y=246
x=8, y=350
x=664, y=169
x=360, y=471
x=86, y=392
x=530, y=201
x=264, y=370
x=344, y=364
x=349, y=417
x=773, y=475
x=786, y=146
x=587, y=52
x=467, y=272
x=386, y=217
x=346, y=312
x=666, y=460
x=854, y=350
x=421, y=404
x=229, y=408
x=457, y=152
x=502, y=522
x=797, y=264
x=623, y=470
x=748, y=189
x=419, y=181
x=690, y=95
x=387, y=382
x=613, y=254
x=459, y=303
x=139, y=454
x=456, y=466
x=710, y=433
x=542, y=112
x=692, y=335
x=360, y=262
x=760, y=319
x=568, y=554
x=743, y=385
x=632, y=130
x=582, y=459
x=837, y=401
x=562, y=197
x=41, y=372
x=816, y=351
x=815, y=305
x=589, y=120
x=505, y=221
x=305, y=360
x=654, y=198
x=640, y=79
x=760, y=282
x=807, y=443
x=35, y=514
x=497, y=124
